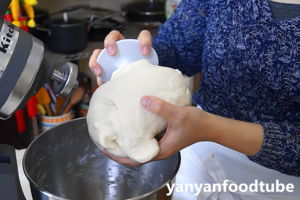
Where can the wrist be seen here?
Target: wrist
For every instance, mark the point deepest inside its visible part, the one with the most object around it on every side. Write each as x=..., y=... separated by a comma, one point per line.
x=241, y=136
x=208, y=127
x=215, y=128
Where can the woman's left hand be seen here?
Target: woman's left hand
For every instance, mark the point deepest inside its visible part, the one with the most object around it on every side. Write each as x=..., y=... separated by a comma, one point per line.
x=182, y=131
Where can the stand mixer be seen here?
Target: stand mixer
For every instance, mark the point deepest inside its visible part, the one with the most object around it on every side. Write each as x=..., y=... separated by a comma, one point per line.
x=24, y=69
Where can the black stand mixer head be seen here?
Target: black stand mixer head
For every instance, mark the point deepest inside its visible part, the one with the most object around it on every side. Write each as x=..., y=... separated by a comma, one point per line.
x=24, y=69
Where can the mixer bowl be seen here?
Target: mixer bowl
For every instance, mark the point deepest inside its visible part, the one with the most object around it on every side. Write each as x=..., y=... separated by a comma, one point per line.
x=64, y=163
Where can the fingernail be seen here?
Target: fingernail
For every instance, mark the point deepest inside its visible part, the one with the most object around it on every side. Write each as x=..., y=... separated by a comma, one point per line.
x=96, y=71
x=146, y=51
x=146, y=101
x=111, y=50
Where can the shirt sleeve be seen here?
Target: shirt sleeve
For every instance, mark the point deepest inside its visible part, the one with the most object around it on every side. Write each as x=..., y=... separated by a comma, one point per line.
x=281, y=148
x=179, y=43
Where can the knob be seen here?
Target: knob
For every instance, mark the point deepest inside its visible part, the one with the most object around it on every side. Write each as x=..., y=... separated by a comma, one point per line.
x=65, y=79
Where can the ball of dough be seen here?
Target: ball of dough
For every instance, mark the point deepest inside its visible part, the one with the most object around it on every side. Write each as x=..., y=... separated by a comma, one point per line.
x=116, y=119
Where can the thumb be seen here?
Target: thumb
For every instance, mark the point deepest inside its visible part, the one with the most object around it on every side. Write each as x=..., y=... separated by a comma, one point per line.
x=158, y=107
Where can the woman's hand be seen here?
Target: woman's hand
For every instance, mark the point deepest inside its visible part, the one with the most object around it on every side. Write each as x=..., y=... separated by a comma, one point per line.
x=183, y=128
x=189, y=125
x=110, y=45
x=95, y=67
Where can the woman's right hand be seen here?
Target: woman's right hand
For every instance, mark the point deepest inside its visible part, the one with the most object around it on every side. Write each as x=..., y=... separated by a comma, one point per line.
x=110, y=45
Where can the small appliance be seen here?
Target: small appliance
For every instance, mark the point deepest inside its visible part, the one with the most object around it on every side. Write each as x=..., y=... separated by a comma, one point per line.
x=24, y=68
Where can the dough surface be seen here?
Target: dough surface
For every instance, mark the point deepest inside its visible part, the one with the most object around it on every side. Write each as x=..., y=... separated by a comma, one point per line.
x=116, y=119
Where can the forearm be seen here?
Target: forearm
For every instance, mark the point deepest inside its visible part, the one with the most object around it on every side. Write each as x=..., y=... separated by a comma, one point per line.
x=241, y=136
x=272, y=145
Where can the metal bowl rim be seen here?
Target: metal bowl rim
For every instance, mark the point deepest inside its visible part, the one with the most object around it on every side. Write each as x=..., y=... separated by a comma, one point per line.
x=61, y=198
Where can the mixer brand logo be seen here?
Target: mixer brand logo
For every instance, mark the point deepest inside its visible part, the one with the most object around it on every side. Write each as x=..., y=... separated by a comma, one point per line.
x=5, y=41
x=230, y=186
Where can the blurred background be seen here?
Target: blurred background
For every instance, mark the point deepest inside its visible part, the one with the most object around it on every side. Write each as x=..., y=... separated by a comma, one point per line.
x=71, y=30
x=55, y=5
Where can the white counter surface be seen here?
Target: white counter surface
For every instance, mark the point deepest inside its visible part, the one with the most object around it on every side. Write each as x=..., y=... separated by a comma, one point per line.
x=23, y=180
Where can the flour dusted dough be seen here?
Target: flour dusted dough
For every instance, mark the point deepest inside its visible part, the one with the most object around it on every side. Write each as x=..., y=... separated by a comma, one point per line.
x=117, y=121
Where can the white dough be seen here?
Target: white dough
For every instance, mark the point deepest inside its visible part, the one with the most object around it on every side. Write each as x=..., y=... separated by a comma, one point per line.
x=116, y=119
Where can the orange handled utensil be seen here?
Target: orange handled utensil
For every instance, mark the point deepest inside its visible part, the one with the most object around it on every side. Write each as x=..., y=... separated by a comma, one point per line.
x=43, y=99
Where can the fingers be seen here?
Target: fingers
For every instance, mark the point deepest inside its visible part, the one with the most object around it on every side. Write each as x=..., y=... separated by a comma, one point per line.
x=94, y=66
x=174, y=138
x=99, y=81
x=144, y=38
x=145, y=41
x=122, y=160
x=159, y=107
x=168, y=146
x=110, y=42
x=110, y=45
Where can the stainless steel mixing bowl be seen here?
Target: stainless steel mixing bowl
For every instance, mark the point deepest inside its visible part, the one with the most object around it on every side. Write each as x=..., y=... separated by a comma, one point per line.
x=64, y=163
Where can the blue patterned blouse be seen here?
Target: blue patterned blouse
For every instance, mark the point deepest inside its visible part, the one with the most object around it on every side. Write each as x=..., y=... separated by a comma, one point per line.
x=250, y=65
